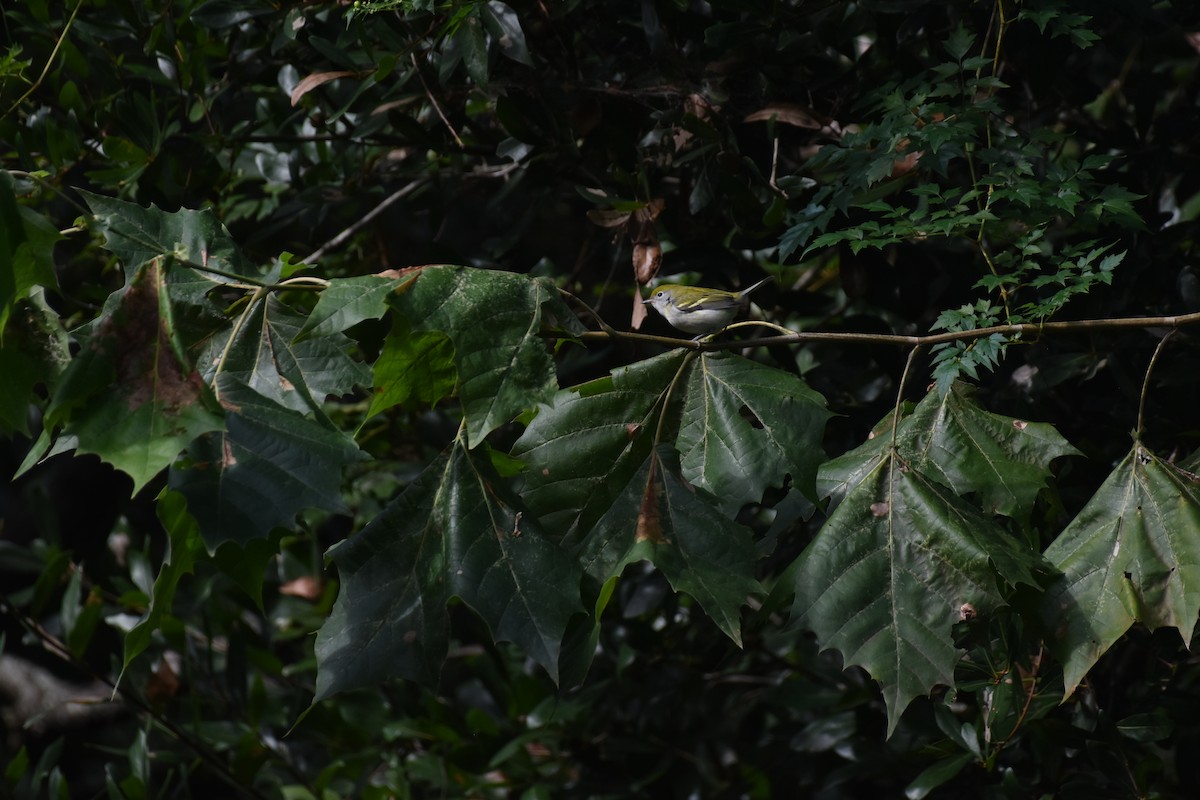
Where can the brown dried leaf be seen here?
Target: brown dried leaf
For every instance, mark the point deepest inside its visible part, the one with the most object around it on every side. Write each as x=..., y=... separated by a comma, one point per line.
x=649, y=523
x=790, y=114
x=647, y=258
x=310, y=82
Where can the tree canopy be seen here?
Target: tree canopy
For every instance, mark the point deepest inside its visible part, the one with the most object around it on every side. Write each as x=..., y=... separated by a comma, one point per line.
x=346, y=461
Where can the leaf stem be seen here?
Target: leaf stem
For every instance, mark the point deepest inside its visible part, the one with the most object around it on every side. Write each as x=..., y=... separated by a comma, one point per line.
x=912, y=356
x=666, y=402
x=1141, y=417
x=240, y=323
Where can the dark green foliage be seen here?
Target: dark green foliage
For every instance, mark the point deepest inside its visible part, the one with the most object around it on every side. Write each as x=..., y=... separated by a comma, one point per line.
x=376, y=515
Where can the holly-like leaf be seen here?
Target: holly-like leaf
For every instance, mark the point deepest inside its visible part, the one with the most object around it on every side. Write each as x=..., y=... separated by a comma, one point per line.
x=1131, y=555
x=899, y=561
x=271, y=463
x=747, y=426
x=266, y=357
x=493, y=319
x=345, y=302
x=135, y=235
x=455, y=531
x=129, y=396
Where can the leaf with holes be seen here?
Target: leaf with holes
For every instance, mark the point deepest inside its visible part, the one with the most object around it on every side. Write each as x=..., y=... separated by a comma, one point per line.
x=454, y=532
x=1131, y=555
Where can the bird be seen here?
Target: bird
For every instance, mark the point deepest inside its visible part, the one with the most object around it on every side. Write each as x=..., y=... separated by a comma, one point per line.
x=696, y=309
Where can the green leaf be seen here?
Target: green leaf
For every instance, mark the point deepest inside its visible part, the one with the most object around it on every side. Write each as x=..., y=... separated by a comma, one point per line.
x=1131, y=555
x=505, y=28
x=27, y=242
x=656, y=516
x=943, y=770
x=454, y=532
x=129, y=396
x=135, y=235
x=493, y=319
x=185, y=545
x=1004, y=460
x=472, y=40
x=271, y=463
x=746, y=426
x=589, y=436
x=413, y=368
x=268, y=356
x=896, y=565
x=347, y=302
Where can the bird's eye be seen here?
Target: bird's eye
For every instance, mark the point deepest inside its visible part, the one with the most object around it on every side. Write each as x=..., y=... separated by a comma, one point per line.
x=659, y=294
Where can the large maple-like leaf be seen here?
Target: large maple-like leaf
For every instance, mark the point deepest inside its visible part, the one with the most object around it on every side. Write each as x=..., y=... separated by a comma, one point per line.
x=1005, y=461
x=588, y=436
x=129, y=396
x=265, y=355
x=899, y=561
x=747, y=426
x=493, y=320
x=656, y=516
x=455, y=531
x=595, y=474
x=1131, y=555
x=270, y=464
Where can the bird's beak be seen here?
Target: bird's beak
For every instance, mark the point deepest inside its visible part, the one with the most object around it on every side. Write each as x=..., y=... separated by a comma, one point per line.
x=646, y=302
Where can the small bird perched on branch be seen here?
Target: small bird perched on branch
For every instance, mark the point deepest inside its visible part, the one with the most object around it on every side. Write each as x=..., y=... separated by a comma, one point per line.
x=696, y=309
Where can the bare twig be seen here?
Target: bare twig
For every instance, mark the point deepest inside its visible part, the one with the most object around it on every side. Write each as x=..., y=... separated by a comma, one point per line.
x=399, y=194
x=33, y=87
x=433, y=101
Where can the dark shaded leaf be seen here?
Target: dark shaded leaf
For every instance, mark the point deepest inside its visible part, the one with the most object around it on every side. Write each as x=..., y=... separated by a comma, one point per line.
x=747, y=426
x=1131, y=555
x=893, y=569
x=493, y=319
x=454, y=532
x=271, y=463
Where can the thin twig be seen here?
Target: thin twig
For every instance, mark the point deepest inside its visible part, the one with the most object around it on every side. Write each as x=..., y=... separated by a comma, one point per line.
x=33, y=87
x=433, y=101
x=399, y=194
